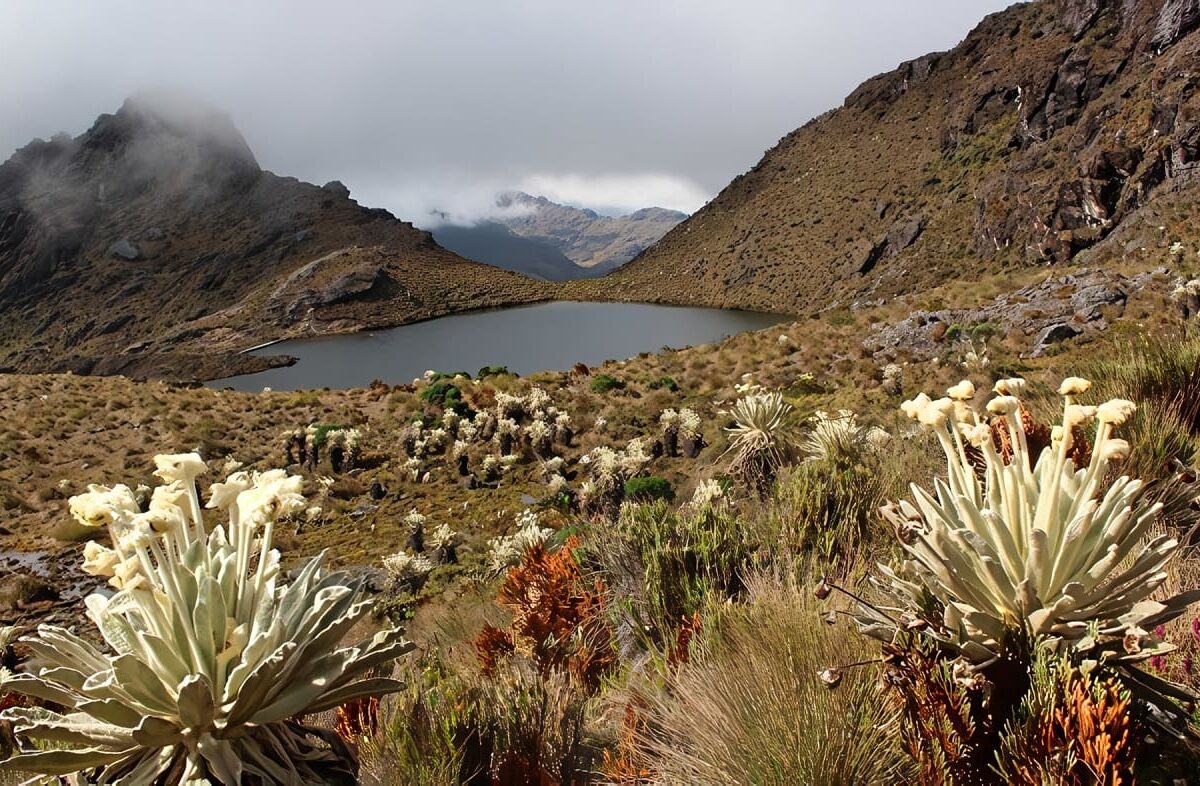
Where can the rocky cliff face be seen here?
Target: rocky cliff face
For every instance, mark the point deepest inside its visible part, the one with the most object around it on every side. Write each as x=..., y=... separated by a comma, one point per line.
x=585, y=237
x=154, y=244
x=1053, y=129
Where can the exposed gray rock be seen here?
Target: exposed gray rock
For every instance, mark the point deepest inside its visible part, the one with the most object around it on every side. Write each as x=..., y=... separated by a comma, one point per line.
x=346, y=286
x=1078, y=15
x=1054, y=310
x=1176, y=19
x=125, y=249
x=337, y=188
x=902, y=235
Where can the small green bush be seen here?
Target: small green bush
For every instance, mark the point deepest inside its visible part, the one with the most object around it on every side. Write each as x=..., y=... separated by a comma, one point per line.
x=664, y=383
x=445, y=395
x=841, y=317
x=493, y=371
x=671, y=564
x=322, y=432
x=982, y=331
x=648, y=489
x=442, y=375
x=827, y=509
x=603, y=383
x=454, y=724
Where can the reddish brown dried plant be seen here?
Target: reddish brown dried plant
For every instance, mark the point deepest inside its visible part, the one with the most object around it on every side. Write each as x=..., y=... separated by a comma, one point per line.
x=559, y=620
x=1038, y=437
x=628, y=765
x=1084, y=736
x=357, y=718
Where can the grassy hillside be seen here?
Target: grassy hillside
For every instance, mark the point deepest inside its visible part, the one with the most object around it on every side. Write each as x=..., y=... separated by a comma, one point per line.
x=1045, y=133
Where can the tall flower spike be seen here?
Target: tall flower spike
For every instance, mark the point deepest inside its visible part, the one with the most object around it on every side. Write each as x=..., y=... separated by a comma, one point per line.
x=963, y=391
x=1013, y=386
x=1074, y=386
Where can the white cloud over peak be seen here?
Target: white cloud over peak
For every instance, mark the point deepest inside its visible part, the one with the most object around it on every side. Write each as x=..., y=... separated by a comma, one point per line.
x=618, y=193
x=429, y=202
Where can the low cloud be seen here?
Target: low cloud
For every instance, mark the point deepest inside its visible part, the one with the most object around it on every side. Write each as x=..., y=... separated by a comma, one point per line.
x=432, y=202
x=435, y=201
x=618, y=193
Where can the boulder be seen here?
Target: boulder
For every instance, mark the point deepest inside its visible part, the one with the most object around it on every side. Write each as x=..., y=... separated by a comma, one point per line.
x=125, y=249
x=20, y=591
x=337, y=188
x=1053, y=334
x=1053, y=310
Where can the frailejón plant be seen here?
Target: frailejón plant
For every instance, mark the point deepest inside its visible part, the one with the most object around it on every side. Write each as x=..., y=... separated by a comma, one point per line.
x=762, y=437
x=1008, y=550
x=211, y=659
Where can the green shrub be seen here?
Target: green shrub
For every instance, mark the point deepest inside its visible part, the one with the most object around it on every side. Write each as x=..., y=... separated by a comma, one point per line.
x=445, y=395
x=493, y=371
x=827, y=509
x=982, y=331
x=665, y=565
x=664, y=382
x=442, y=375
x=304, y=398
x=455, y=726
x=322, y=432
x=841, y=317
x=603, y=383
x=648, y=489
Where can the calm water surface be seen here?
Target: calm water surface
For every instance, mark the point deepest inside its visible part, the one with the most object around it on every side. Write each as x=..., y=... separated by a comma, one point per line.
x=552, y=336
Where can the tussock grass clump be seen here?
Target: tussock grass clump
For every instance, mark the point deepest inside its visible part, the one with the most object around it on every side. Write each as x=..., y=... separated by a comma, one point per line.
x=1156, y=370
x=748, y=708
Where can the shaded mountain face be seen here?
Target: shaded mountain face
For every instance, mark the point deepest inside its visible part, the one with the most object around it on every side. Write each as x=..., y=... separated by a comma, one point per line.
x=587, y=238
x=1055, y=131
x=493, y=243
x=154, y=244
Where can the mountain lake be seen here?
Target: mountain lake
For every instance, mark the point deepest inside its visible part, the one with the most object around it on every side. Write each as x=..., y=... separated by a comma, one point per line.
x=543, y=336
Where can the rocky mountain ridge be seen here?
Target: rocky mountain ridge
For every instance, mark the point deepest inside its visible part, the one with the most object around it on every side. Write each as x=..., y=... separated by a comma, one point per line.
x=1057, y=131
x=154, y=244
x=587, y=238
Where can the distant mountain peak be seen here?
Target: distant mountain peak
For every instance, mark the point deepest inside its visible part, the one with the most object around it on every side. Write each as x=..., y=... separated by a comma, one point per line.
x=541, y=238
x=587, y=238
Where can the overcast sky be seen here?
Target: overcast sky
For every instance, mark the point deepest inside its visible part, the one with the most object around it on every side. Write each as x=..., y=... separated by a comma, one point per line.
x=417, y=105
